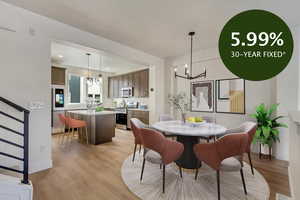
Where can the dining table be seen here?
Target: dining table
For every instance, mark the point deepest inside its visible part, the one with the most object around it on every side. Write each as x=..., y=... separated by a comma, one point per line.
x=188, y=134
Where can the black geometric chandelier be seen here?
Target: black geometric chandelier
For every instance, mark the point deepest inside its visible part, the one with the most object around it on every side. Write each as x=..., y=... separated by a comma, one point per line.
x=188, y=72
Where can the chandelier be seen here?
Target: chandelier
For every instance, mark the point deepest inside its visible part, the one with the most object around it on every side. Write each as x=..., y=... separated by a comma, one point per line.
x=188, y=71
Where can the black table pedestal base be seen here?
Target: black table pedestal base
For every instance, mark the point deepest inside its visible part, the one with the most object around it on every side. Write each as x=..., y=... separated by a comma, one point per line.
x=188, y=158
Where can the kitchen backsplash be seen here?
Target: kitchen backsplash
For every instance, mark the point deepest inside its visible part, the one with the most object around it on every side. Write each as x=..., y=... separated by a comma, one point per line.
x=119, y=101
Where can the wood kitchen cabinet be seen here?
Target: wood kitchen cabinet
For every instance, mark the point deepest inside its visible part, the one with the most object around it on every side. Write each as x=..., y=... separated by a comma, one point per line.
x=139, y=81
x=58, y=76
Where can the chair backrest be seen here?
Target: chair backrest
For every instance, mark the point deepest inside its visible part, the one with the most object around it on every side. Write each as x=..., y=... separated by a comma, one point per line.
x=249, y=128
x=136, y=125
x=209, y=119
x=168, y=149
x=152, y=139
x=62, y=119
x=165, y=117
x=231, y=145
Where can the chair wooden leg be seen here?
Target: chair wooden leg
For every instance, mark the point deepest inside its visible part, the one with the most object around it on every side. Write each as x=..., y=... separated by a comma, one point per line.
x=159, y=166
x=207, y=140
x=164, y=174
x=140, y=148
x=143, y=166
x=134, y=152
x=180, y=171
x=250, y=160
x=243, y=179
x=218, y=183
x=86, y=135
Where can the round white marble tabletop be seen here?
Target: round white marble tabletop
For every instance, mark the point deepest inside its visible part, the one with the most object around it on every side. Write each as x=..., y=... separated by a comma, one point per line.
x=179, y=128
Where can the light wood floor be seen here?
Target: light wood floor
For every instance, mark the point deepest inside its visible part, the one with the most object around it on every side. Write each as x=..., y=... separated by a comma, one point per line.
x=93, y=172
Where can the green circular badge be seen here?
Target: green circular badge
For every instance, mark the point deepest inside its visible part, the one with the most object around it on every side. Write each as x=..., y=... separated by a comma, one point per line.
x=256, y=45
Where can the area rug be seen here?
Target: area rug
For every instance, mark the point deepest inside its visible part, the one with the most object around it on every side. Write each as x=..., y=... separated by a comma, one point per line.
x=187, y=188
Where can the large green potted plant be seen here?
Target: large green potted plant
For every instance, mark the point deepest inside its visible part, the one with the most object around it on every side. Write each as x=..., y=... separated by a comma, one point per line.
x=267, y=132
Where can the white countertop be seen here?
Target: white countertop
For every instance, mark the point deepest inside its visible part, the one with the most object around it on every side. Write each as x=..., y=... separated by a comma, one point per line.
x=92, y=112
x=178, y=128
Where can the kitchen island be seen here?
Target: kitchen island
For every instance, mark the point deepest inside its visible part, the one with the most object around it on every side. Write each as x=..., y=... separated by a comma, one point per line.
x=100, y=125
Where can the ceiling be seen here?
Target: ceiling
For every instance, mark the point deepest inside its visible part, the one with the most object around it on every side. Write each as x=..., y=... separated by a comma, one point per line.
x=72, y=55
x=158, y=27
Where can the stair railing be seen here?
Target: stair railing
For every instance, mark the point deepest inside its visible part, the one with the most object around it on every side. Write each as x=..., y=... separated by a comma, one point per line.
x=24, y=134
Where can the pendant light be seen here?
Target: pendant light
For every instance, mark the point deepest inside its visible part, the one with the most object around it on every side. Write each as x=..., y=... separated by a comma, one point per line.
x=188, y=71
x=89, y=79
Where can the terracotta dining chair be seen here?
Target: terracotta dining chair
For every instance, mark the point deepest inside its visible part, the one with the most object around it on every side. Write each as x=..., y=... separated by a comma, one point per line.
x=165, y=117
x=226, y=154
x=250, y=129
x=160, y=150
x=136, y=126
x=208, y=119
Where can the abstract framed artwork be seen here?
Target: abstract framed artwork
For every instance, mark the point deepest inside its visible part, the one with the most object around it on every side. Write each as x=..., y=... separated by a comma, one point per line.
x=230, y=96
x=202, y=96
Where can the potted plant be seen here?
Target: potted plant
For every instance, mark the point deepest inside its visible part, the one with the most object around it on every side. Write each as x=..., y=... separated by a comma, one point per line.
x=180, y=103
x=267, y=132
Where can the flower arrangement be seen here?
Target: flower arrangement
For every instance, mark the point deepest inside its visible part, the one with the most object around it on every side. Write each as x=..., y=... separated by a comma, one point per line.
x=180, y=103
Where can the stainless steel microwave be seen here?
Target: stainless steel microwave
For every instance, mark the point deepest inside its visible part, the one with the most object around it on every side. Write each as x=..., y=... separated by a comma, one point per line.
x=127, y=92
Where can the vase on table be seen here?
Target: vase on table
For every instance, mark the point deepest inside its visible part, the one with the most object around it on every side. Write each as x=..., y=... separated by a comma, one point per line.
x=183, y=117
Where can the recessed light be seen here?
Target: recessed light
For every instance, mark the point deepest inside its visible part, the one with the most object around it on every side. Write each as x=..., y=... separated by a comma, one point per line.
x=60, y=56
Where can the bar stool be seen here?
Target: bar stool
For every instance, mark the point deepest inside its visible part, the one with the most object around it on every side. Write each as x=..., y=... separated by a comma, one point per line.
x=79, y=125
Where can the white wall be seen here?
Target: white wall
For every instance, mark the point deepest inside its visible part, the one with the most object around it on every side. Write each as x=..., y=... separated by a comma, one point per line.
x=256, y=92
x=288, y=95
x=25, y=69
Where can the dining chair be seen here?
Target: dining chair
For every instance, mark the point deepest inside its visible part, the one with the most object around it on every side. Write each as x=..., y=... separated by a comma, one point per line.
x=226, y=154
x=208, y=119
x=136, y=126
x=161, y=150
x=165, y=117
x=249, y=128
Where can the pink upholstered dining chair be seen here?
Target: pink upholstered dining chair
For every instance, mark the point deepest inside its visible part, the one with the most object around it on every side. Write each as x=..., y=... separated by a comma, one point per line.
x=160, y=150
x=136, y=126
x=226, y=154
x=250, y=129
x=165, y=117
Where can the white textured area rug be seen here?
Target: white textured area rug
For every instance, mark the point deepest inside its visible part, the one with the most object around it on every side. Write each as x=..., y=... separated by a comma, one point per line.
x=205, y=188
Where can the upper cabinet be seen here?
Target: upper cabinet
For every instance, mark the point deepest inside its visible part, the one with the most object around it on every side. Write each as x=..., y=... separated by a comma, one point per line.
x=139, y=81
x=58, y=76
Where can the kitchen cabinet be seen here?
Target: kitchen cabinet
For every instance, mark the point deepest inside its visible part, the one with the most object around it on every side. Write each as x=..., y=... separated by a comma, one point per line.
x=58, y=76
x=115, y=83
x=139, y=81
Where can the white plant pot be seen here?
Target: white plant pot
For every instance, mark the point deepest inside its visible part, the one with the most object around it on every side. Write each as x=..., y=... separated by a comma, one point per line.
x=264, y=149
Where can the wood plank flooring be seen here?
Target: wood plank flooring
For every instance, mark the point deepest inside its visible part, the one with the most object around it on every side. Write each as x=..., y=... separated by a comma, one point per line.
x=93, y=172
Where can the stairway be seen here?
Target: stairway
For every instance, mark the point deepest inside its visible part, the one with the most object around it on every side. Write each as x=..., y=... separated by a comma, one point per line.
x=14, y=188
x=11, y=188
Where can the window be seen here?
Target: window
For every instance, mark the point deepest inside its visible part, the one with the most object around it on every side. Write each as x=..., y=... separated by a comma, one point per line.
x=79, y=90
x=75, y=89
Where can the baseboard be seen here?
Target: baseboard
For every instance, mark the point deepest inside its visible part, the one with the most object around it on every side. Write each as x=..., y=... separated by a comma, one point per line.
x=39, y=166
